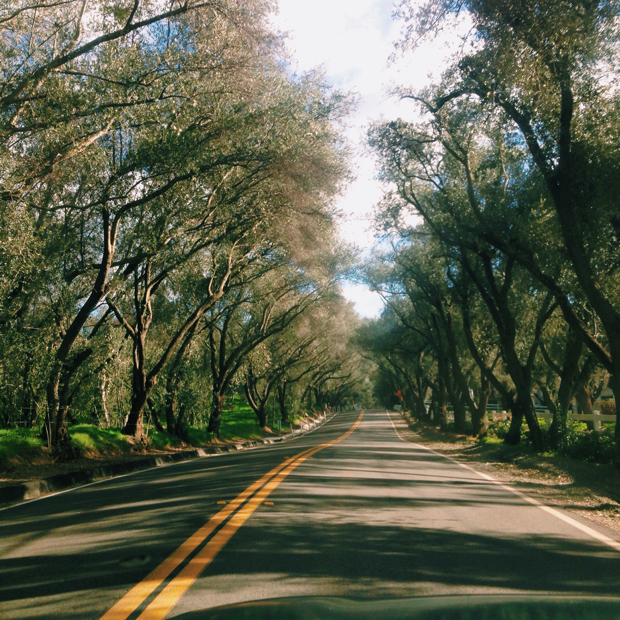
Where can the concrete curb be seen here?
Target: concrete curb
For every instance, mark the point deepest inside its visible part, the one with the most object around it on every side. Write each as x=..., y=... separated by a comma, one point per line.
x=60, y=482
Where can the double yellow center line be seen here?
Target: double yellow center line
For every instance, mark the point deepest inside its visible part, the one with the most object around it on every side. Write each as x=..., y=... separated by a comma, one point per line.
x=241, y=509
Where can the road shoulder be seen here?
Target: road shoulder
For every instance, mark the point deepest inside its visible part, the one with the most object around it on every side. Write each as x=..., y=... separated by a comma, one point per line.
x=55, y=477
x=589, y=490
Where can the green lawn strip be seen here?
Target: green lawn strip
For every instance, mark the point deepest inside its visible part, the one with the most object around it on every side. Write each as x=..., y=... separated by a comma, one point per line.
x=19, y=445
x=239, y=423
x=96, y=441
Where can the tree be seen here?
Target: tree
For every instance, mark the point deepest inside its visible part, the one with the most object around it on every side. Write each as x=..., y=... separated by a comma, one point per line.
x=259, y=306
x=148, y=138
x=104, y=126
x=540, y=69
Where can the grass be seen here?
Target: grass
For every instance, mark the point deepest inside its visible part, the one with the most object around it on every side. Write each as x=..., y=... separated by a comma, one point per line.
x=197, y=437
x=19, y=445
x=490, y=440
x=239, y=423
x=93, y=440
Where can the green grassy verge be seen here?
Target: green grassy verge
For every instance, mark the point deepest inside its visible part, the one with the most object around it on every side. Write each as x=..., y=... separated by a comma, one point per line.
x=94, y=441
x=19, y=445
x=239, y=423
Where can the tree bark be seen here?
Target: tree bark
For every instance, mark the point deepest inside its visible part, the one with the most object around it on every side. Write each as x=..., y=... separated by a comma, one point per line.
x=139, y=389
x=104, y=399
x=614, y=384
x=570, y=368
x=479, y=412
x=442, y=409
x=180, y=429
x=55, y=418
x=282, y=402
x=215, y=418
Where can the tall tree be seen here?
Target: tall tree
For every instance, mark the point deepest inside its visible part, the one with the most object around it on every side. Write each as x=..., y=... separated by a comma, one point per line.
x=542, y=69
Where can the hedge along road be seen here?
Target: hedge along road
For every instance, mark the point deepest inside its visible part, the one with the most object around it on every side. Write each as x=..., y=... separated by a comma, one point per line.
x=350, y=509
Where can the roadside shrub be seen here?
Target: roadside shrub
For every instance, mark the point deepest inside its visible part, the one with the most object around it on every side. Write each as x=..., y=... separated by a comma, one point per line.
x=592, y=446
x=498, y=429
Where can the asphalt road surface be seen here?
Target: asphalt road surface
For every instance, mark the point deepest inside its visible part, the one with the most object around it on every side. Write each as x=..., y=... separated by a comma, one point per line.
x=350, y=509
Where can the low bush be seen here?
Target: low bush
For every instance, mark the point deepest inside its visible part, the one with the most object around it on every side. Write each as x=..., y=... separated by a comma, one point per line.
x=592, y=446
x=498, y=429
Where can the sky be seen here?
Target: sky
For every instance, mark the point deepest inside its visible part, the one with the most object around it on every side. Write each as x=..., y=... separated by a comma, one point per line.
x=353, y=40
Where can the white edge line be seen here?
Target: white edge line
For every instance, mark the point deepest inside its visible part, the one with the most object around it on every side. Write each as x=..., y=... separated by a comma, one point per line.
x=552, y=511
x=275, y=444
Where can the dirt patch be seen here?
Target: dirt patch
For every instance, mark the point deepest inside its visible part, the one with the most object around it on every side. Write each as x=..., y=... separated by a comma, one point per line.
x=591, y=490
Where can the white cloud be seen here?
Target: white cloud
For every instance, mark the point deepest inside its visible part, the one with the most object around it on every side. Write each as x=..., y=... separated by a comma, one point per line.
x=353, y=40
x=367, y=303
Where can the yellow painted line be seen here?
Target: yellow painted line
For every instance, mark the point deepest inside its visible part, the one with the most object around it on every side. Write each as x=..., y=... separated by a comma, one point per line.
x=136, y=596
x=170, y=595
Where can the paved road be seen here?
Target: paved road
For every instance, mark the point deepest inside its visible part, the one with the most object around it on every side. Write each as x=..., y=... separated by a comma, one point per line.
x=367, y=515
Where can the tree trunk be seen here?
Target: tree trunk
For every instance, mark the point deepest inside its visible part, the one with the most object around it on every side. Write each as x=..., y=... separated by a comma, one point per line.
x=460, y=417
x=583, y=396
x=419, y=403
x=55, y=422
x=442, y=409
x=513, y=436
x=459, y=393
x=135, y=420
x=568, y=374
x=154, y=415
x=27, y=395
x=282, y=402
x=104, y=399
x=139, y=391
x=261, y=414
x=614, y=384
x=180, y=429
x=479, y=411
x=523, y=408
x=51, y=414
x=215, y=419
x=460, y=413
x=171, y=405
x=432, y=408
